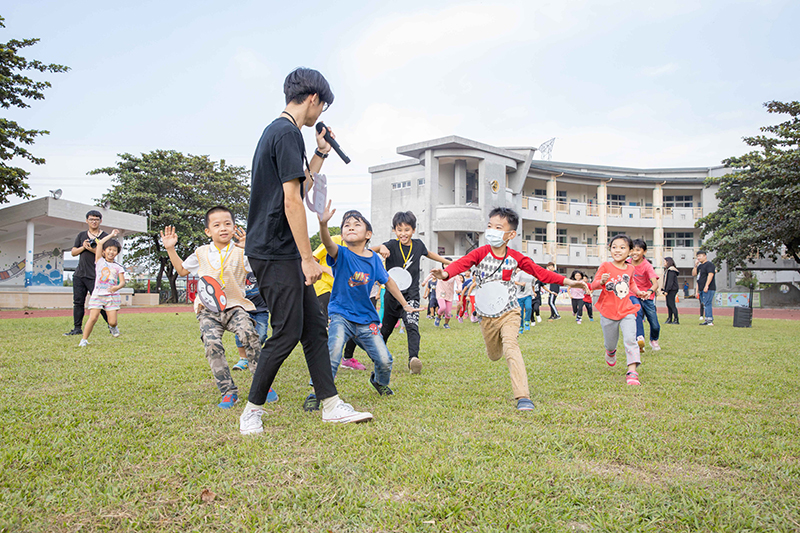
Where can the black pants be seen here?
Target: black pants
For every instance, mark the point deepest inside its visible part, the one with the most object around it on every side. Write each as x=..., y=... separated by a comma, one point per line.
x=324, y=300
x=392, y=312
x=672, y=309
x=536, y=303
x=80, y=288
x=296, y=317
x=577, y=307
x=551, y=301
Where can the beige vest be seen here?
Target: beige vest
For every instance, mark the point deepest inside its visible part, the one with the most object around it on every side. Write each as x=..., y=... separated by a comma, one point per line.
x=234, y=277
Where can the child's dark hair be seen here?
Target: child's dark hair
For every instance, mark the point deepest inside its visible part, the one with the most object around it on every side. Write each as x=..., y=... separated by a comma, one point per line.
x=670, y=262
x=639, y=243
x=404, y=217
x=551, y=264
x=94, y=213
x=302, y=82
x=575, y=273
x=623, y=237
x=112, y=242
x=353, y=213
x=218, y=209
x=510, y=215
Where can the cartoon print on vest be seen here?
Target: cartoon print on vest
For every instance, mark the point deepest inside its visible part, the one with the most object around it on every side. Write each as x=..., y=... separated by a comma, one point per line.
x=620, y=288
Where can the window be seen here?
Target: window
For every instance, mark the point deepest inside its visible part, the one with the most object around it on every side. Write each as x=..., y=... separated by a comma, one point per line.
x=561, y=236
x=472, y=187
x=561, y=196
x=573, y=240
x=421, y=182
x=679, y=201
x=401, y=185
x=679, y=240
x=616, y=200
x=540, y=234
x=540, y=193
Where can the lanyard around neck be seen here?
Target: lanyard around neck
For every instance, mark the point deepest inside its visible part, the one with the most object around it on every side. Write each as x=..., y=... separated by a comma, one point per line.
x=410, y=255
x=222, y=259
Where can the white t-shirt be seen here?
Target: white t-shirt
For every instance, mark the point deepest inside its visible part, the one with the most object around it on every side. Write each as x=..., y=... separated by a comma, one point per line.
x=527, y=279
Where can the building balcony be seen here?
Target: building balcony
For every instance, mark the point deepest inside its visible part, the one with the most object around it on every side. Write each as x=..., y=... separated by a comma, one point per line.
x=536, y=250
x=577, y=213
x=681, y=217
x=683, y=256
x=459, y=218
x=534, y=208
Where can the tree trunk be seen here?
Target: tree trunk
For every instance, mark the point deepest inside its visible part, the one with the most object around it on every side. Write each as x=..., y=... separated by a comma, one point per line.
x=172, y=275
x=160, y=275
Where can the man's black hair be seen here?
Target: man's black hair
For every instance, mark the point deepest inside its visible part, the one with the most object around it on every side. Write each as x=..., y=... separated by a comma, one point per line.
x=112, y=242
x=510, y=215
x=404, y=217
x=218, y=209
x=358, y=216
x=701, y=252
x=302, y=82
x=639, y=243
x=94, y=213
x=623, y=237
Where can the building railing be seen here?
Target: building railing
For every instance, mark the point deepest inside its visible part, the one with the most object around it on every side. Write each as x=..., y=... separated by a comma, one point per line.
x=648, y=212
x=592, y=210
x=698, y=213
x=615, y=211
x=592, y=251
x=562, y=207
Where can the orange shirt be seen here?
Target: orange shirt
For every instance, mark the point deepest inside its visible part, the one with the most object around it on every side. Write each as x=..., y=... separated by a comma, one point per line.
x=614, y=301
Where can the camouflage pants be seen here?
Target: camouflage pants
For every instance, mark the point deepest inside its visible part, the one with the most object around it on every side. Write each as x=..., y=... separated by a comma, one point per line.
x=212, y=326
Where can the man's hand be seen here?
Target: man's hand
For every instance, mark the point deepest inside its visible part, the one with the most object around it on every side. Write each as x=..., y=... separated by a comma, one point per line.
x=241, y=237
x=440, y=273
x=327, y=215
x=169, y=237
x=323, y=145
x=311, y=270
x=384, y=252
x=87, y=244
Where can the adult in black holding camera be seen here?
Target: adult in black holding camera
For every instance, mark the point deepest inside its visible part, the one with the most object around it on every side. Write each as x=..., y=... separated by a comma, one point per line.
x=83, y=279
x=280, y=253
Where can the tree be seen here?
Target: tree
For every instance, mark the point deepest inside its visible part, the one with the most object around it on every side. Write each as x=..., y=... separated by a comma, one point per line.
x=15, y=88
x=759, y=202
x=316, y=240
x=171, y=188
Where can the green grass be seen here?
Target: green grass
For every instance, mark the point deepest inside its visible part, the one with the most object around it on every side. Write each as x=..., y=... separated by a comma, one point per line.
x=125, y=435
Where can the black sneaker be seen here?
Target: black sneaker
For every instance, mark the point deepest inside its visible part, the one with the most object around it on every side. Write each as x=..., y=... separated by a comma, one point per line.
x=311, y=403
x=75, y=331
x=383, y=390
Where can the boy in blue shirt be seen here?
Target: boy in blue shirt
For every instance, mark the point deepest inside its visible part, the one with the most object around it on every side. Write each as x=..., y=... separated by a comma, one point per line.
x=352, y=313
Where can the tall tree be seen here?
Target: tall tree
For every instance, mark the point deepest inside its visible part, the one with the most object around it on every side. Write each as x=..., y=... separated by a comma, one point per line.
x=759, y=202
x=15, y=89
x=171, y=188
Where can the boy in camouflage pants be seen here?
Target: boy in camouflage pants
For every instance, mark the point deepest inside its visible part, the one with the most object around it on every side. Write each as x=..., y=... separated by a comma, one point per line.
x=224, y=261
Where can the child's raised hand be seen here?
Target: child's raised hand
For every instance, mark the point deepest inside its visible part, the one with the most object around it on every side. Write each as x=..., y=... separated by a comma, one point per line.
x=604, y=277
x=384, y=252
x=114, y=233
x=327, y=215
x=241, y=236
x=169, y=237
x=439, y=273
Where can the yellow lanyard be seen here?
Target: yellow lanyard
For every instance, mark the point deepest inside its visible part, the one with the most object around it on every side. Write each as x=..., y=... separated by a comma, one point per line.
x=410, y=248
x=222, y=260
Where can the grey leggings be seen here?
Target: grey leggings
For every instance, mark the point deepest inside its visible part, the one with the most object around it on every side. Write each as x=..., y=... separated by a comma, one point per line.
x=611, y=329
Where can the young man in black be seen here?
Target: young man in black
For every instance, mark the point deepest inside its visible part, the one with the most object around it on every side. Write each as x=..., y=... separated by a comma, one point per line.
x=706, y=285
x=279, y=251
x=83, y=279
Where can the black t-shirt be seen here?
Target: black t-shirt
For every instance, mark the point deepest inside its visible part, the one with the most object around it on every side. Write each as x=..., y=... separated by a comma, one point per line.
x=278, y=160
x=413, y=254
x=703, y=270
x=86, y=258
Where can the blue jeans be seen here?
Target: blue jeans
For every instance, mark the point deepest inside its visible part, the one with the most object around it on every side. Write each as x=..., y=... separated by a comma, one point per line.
x=647, y=309
x=525, y=315
x=368, y=337
x=262, y=321
x=708, y=303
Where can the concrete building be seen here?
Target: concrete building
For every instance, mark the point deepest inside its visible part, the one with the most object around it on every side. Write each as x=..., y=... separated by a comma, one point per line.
x=33, y=239
x=568, y=211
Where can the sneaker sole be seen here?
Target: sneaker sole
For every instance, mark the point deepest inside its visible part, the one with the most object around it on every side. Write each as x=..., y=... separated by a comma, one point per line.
x=251, y=431
x=415, y=366
x=363, y=417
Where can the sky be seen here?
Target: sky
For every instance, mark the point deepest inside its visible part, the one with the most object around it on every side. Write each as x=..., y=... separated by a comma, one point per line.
x=623, y=83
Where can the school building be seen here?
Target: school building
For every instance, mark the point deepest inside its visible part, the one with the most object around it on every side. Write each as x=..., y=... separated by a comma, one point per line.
x=568, y=211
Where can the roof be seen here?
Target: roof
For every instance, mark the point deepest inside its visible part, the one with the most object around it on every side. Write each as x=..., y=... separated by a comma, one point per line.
x=696, y=175
x=417, y=150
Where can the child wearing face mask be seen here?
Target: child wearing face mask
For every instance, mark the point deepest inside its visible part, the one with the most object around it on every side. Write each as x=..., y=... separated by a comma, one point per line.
x=494, y=265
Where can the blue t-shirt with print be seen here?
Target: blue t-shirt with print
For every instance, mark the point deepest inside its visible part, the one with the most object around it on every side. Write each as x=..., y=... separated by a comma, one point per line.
x=353, y=277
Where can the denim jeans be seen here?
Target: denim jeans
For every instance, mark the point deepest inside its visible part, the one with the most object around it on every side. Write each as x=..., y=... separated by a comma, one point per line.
x=647, y=309
x=368, y=337
x=262, y=322
x=708, y=303
x=525, y=305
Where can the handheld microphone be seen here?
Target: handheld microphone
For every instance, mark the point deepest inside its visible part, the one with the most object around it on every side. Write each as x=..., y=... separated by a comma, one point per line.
x=332, y=142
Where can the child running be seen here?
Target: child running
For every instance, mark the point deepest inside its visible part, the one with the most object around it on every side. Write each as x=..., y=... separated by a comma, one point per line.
x=617, y=312
x=445, y=292
x=224, y=261
x=578, y=296
x=536, y=303
x=646, y=280
x=464, y=308
x=353, y=316
x=552, y=295
x=495, y=262
x=524, y=282
x=109, y=279
x=587, y=299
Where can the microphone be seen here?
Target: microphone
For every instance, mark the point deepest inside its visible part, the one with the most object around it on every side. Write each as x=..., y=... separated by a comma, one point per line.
x=332, y=142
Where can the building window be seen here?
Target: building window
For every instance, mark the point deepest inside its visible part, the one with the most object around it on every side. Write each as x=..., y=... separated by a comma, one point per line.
x=679, y=240
x=540, y=193
x=540, y=234
x=561, y=236
x=679, y=201
x=617, y=200
x=401, y=185
x=472, y=187
x=421, y=182
x=561, y=196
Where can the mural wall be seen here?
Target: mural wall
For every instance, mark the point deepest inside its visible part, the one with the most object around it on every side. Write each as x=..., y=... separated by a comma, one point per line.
x=47, y=267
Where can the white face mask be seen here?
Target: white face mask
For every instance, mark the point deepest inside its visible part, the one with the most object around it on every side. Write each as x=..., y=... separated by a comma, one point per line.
x=494, y=237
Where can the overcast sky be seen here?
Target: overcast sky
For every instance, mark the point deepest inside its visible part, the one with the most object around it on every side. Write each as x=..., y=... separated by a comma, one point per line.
x=642, y=84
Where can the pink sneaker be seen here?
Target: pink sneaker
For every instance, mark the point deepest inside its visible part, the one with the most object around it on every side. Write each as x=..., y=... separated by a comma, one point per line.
x=353, y=364
x=611, y=358
x=654, y=345
x=461, y=320
x=632, y=378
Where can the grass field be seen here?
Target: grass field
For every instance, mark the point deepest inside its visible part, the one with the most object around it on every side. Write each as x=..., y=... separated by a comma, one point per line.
x=126, y=436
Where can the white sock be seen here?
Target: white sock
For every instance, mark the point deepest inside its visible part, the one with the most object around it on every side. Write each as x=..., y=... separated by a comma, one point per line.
x=329, y=403
x=252, y=406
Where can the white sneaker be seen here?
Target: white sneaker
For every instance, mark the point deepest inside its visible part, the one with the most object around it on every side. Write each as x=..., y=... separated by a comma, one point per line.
x=114, y=331
x=343, y=413
x=702, y=319
x=83, y=343
x=538, y=319
x=250, y=421
x=654, y=345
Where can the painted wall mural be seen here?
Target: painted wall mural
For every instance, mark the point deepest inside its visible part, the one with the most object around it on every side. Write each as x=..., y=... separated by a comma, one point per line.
x=47, y=269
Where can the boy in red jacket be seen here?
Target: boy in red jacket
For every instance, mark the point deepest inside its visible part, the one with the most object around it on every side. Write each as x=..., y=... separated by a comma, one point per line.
x=496, y=294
